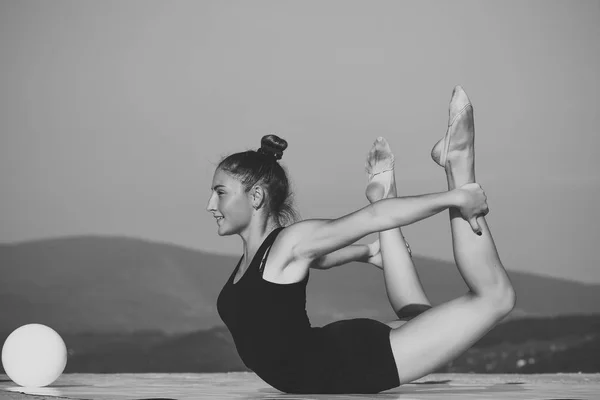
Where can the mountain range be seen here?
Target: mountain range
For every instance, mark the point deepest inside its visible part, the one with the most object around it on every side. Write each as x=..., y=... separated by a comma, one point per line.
x=100, y=284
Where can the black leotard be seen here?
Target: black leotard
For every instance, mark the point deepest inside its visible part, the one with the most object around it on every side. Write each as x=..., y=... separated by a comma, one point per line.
x=274, y=338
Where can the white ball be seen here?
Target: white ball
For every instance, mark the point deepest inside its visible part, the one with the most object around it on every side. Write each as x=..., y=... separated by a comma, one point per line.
x=34, y=355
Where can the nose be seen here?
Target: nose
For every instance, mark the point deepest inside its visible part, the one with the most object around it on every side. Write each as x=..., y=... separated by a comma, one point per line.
x=211, y=206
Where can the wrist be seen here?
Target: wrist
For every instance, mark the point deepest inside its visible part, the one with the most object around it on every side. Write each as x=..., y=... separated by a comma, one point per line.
x=454, y=198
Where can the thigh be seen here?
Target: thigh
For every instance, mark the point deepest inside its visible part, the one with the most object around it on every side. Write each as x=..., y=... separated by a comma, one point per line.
x=440, y=334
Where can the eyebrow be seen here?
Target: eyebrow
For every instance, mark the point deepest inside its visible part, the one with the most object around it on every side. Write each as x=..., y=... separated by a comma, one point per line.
x=217, y=186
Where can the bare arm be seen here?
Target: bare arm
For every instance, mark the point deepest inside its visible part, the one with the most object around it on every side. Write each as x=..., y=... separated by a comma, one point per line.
x=354, y=252
x=315, y=238
x=364, y=253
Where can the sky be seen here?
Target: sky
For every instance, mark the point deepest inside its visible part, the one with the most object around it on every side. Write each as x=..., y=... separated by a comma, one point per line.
x=113, y=115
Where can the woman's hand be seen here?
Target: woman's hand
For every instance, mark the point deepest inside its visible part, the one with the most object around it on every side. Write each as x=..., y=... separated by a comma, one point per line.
x=375, y=254
x=472, y=202
x=375, y=257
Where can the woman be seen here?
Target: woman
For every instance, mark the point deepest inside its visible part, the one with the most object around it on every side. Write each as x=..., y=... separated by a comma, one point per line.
x=263, y=302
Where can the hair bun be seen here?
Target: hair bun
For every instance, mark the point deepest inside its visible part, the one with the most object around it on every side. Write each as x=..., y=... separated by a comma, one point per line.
x=272, y=145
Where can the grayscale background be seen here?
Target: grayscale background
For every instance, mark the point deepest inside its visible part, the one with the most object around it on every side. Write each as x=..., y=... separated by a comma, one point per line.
x=113, y=115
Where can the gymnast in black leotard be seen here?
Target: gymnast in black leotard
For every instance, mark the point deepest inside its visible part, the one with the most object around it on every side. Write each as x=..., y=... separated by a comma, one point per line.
x=263, y=303
x=274, y=338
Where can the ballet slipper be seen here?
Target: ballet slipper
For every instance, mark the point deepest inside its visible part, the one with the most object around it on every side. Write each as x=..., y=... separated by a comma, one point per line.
x=380, y=170
x=460, y=136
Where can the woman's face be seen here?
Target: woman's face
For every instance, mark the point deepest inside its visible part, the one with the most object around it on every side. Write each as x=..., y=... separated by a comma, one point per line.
x=229, y=204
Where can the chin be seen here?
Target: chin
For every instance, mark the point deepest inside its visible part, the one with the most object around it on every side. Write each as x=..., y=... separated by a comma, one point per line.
x=224, y=232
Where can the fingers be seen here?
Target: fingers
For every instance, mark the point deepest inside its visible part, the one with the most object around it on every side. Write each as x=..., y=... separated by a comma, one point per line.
x=374, y=248
x=475, y=225
x=475, y=206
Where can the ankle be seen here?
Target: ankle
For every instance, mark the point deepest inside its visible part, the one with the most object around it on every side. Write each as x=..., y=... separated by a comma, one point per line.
x=459, y=173
x=374, y=192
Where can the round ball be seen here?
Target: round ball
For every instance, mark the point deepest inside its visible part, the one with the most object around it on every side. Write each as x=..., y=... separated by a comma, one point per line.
x=34, y=355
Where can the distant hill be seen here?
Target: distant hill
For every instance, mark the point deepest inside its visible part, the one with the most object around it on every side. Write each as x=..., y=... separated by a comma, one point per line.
x=119, y=285
x=211, y=350
x=535, y=345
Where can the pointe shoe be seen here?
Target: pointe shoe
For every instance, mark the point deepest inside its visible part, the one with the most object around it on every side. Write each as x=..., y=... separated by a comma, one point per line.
x=461, y=133
x=380, y=170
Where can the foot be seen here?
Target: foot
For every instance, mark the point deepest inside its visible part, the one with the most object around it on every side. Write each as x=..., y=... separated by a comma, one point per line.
x=380, y=171
x=457, y=147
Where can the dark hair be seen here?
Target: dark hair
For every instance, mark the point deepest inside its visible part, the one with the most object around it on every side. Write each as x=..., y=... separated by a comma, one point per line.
x=261, y=167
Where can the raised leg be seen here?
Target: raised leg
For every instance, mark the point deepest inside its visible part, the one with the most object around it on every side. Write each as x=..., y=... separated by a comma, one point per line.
x=402, y=283
x=442, y=333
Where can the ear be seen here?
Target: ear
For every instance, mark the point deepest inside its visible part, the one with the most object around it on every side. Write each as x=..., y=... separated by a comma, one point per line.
x=257, y=197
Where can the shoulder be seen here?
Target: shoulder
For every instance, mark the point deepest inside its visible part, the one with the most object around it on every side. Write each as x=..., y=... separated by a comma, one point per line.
x=284, y=265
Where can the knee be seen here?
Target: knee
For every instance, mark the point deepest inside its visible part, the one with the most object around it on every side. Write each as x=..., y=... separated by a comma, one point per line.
x=510, y=299
x=503, y=299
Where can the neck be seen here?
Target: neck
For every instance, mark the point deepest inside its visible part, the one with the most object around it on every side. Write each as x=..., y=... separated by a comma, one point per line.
x=254, y=235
